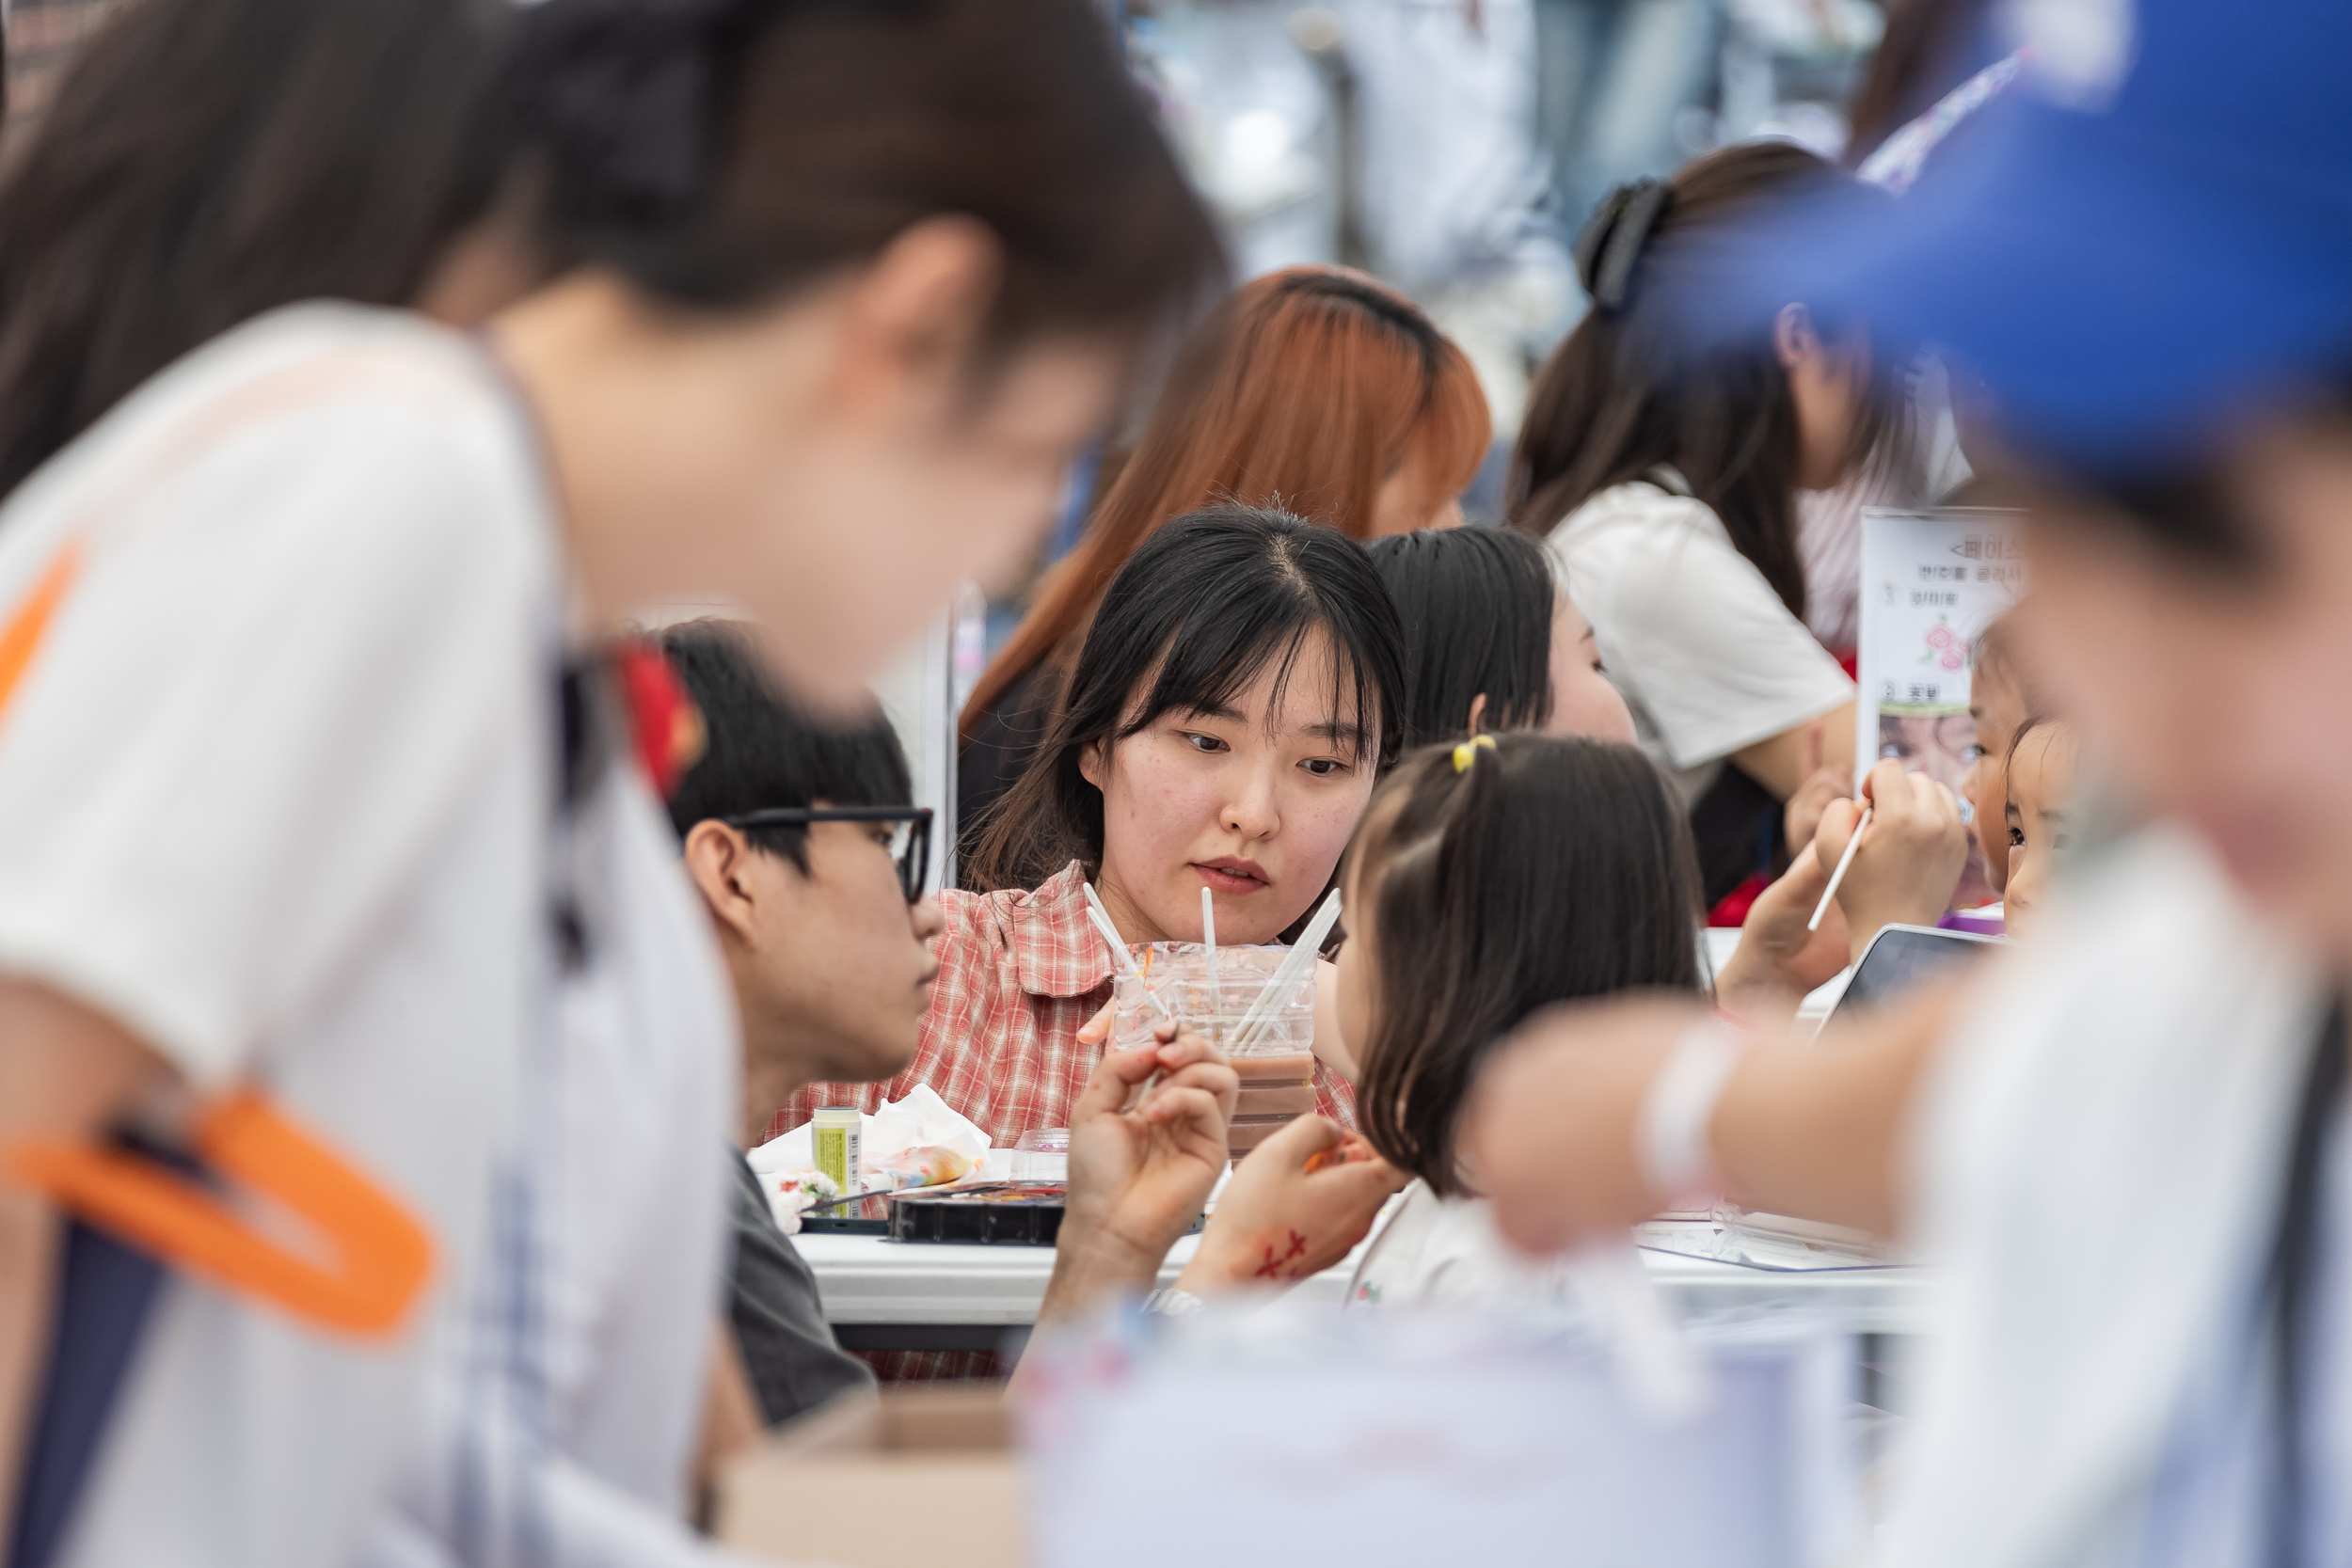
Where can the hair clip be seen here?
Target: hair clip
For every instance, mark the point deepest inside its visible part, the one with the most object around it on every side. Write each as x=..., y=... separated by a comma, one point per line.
x=1613, y=238
x=1466, y=752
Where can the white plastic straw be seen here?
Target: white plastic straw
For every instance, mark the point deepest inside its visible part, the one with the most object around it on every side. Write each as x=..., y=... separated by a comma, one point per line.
x=1208, y=941
x=1298, y=964
x=1119, y=956
x=1840, y=875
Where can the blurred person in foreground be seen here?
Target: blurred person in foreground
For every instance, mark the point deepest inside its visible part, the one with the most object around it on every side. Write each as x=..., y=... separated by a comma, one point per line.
x=393, y=886
x=1313, y=391
x=204, y=161
x=2172, y=1042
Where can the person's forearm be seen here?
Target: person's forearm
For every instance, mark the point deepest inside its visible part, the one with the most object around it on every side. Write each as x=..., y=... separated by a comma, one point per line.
x=65, y=1071
x=27, y=1261
x=1091, y=1270
x=1088, y=1270
x=1750, y=989
x=1817, y=1130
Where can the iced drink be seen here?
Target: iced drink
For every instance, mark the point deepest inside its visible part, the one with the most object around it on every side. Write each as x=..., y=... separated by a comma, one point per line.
x=1273, y=1055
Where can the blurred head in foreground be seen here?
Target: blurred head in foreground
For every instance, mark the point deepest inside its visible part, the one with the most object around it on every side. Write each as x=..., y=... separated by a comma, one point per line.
x=831, y=960
x=1491, y=880
x=1313, y=389
x=841, y=288
x=204, y=161
x=2189, y=485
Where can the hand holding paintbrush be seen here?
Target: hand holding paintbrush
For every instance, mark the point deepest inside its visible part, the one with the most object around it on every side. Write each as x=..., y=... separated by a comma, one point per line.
x=1897, y=853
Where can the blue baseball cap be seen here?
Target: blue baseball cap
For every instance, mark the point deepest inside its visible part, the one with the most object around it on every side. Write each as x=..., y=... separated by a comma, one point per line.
x=2126, y=278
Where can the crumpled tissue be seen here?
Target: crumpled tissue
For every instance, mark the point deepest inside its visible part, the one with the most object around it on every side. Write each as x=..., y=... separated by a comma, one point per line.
x=916, y=1142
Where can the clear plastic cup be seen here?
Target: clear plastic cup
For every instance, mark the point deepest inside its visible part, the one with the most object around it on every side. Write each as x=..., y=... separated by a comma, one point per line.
x=1274, y=1056
x=1042, y=1157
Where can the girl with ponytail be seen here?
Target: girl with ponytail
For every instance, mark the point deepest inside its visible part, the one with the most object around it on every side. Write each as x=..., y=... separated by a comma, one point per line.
x=1490, y=880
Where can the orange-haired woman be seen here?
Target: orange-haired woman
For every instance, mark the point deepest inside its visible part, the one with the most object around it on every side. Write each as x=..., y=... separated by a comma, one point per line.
x=1313, y=389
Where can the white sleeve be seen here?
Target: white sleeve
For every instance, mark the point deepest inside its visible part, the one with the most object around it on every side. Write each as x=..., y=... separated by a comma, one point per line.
x=269, y=686
x=1690, y=628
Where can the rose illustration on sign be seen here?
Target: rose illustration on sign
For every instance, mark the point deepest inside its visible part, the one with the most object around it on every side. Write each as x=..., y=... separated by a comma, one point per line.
x=1946, y=648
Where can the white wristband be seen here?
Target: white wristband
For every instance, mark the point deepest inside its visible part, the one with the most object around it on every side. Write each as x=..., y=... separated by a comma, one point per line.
x=1680, y=1103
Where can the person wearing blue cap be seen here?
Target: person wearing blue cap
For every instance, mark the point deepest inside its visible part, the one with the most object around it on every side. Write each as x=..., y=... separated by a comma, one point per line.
x=2127, y=1152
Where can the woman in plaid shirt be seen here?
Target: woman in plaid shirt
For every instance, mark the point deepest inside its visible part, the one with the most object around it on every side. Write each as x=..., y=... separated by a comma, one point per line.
x=1237, y=694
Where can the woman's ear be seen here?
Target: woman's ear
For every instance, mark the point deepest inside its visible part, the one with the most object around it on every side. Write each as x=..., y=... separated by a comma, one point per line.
x=718, y=859
x=916, y=314
x=1794, y=340
x=1090, y=767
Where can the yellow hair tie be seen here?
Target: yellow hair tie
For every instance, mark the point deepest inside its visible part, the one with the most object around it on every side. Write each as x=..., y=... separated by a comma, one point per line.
x=1466, y=752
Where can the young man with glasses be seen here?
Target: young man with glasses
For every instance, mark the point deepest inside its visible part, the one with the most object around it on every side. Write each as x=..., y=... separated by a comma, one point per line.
x=811, y=860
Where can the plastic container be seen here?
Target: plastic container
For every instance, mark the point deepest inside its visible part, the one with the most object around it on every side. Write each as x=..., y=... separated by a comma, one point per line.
x=1041, y=1156
x=836, y=1131
x=997, y=1215
x=1276, y=1061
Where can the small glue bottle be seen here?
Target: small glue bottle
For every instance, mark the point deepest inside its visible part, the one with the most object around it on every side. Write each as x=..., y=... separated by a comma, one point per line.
x=837, y=1133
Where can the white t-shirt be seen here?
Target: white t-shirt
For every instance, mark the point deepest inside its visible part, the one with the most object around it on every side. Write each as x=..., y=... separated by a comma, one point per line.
x=275, y=792
x=2100, y=1151
x=1435, y=1251
x=1707, y=657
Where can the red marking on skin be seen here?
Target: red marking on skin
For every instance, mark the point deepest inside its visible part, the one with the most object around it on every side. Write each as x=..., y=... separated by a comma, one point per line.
x=1273, y=1267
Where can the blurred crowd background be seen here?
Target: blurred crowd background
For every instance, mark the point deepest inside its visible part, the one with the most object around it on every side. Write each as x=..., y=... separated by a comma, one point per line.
x=1451, y=148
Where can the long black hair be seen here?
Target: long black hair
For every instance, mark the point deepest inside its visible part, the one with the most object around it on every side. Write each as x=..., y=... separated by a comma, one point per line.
x=205, y=161
x=1196, y=614
x=1550, y=868
x=1477, y=605
x=721, y=152
x=1635, y=387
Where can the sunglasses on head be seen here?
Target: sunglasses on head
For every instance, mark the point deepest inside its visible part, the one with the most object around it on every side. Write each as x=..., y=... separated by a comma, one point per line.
x=910, y=845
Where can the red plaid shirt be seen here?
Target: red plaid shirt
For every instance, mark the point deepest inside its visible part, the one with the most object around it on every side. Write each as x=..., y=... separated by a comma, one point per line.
x=1019, y=974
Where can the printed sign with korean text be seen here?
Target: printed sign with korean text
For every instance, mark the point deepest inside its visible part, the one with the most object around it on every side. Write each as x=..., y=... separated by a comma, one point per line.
x=1931, y=581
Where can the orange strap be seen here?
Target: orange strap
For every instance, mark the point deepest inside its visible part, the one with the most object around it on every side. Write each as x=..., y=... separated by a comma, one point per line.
x=23, y=633
x=380, y=1256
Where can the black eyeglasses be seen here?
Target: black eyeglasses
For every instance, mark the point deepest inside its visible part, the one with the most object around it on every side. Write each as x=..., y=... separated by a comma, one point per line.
x=909, y=846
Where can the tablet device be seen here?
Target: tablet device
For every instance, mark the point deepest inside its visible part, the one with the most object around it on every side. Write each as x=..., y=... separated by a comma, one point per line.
x=1900, y=956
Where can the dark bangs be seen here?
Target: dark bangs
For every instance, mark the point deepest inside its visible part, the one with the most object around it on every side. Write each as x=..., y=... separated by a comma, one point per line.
x=1208, y=605
x=1222, y=648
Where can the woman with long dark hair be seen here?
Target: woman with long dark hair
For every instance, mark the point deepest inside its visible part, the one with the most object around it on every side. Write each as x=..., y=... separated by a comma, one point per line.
x=1237, y=694
x=1661, y=459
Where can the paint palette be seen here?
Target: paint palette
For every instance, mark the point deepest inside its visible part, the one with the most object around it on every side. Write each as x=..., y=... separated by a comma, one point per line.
x=996, y=1213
